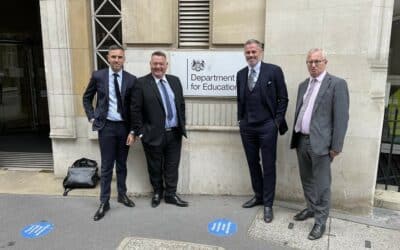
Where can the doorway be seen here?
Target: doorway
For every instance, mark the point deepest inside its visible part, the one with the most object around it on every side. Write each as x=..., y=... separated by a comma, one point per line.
x=24, y=113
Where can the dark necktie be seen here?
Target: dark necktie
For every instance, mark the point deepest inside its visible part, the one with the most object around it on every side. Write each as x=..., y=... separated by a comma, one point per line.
x=167, y=102
x=251, y=81
x=117, y=93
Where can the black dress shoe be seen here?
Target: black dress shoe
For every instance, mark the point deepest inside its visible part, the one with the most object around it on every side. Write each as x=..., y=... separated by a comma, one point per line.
x=124, y=199
x=253, y=202
x=155, y=201
x=268, y=214
x=104, y=207
x=316, y=232
x=303, y=215
x=174, y=199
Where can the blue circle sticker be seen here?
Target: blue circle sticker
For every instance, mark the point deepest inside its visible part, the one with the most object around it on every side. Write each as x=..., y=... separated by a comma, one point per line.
x=222, y=227
x=37, y=230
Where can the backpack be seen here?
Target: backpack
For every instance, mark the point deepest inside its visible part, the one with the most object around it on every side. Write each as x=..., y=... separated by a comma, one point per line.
x=82, y=174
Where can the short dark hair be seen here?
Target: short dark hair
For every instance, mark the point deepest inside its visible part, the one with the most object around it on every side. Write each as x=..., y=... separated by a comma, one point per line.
x=159, y=53
x=254, y=41
x=115, y=47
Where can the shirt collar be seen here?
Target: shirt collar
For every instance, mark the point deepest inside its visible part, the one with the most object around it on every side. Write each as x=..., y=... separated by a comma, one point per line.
x=158, y=79
x=256, y=68
x=111, y=72
x=321, y=77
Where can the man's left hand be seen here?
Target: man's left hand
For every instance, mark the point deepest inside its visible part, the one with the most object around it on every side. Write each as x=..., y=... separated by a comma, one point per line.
x=333, y=154
x=130, y=140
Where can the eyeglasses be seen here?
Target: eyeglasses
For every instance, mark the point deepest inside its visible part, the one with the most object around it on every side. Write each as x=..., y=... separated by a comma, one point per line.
x=316, y=62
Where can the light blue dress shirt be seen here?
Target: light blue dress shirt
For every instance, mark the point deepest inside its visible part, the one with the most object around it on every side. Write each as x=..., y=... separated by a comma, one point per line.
x=112, y=113
x=174, y=121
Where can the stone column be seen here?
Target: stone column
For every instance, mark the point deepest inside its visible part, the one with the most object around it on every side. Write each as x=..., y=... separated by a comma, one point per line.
x=57, y=58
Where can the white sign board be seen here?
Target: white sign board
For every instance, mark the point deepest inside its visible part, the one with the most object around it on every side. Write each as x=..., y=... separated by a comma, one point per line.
x=211, y=73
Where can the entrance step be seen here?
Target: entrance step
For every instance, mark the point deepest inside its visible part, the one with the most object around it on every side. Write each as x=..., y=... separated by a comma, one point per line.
x=25, y=160
x=389, y=199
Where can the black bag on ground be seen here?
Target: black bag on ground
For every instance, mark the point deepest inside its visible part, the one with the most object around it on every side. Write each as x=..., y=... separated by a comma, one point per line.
x=82, y=174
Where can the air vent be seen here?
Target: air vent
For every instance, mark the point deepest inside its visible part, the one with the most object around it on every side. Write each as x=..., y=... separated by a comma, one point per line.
x=194, y=23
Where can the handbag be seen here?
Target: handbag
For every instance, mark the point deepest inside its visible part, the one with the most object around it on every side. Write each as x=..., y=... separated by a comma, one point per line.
x=82, y=174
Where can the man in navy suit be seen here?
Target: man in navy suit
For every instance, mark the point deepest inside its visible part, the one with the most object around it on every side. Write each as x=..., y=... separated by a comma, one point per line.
x=111, y=118
x=262, y=102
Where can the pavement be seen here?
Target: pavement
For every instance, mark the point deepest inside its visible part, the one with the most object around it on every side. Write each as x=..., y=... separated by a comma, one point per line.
x=210, y=222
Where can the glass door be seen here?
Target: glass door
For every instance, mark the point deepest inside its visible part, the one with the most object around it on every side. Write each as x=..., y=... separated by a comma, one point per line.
x=18, y=108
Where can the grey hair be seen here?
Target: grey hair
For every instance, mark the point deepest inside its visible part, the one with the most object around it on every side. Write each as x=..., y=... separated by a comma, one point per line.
x=313, y=50
x=254, y=41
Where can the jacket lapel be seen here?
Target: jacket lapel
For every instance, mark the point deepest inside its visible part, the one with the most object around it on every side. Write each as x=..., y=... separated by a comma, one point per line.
x=123, y=87
x=326, y=82
x=302, y=91
x=173, y=87
x=244, y=85
x=106, y=83
x=154, y=87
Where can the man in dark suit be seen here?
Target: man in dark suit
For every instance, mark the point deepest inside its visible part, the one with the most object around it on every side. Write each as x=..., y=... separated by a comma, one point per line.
x=158, y=113
x=321, y=117
x=262, y=101
x=111, y=118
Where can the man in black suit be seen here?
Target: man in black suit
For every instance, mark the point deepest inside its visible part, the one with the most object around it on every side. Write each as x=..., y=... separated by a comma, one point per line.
x=262, y=101
x=158, y=115
x=111, y=118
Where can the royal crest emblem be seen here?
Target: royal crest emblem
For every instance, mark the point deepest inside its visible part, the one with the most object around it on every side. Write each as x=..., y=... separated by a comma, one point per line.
x=198, y=65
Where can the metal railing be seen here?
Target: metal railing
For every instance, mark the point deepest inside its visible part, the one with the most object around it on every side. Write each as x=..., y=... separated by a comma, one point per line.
x=389, y=160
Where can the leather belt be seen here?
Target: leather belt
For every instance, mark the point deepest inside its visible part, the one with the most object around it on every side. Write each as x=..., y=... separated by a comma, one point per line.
x=171, y=129
x=114, y=121
x=304, y=135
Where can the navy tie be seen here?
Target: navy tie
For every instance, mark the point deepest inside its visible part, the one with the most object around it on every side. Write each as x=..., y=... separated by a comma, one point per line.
x=117, y=93
x=167, y=102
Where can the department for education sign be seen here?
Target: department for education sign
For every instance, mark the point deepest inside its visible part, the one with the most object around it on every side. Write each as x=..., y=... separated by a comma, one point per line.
x=208, y=73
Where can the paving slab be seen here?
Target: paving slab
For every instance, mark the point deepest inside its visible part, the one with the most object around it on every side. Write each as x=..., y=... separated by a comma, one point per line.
x=137, y=243
x=350, y=235
x=279, y=232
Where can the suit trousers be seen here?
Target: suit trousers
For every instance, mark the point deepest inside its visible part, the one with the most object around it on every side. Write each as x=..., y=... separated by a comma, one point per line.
x=113, y=150
x=315, y=174
x=255, y=138
x=163, y=162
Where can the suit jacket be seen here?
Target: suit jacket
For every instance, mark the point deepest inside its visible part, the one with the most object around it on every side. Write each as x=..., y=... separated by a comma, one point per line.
x=148, y=113
x=273, y=93
x=98, y=85
x=330, y=115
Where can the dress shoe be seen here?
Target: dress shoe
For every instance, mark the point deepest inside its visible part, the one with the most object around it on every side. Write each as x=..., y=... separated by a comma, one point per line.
x=303, y=215
x=252, y=202
x=316, y=232
x=155, y=201
x=104, y=207
x=124, y=199
x=174, y=199
x=268, y=214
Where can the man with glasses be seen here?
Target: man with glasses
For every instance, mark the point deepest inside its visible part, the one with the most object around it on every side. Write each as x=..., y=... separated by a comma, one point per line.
x=321, y=117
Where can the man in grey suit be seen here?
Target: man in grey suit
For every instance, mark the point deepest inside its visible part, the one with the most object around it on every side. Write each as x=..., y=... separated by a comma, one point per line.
x=322, y=114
